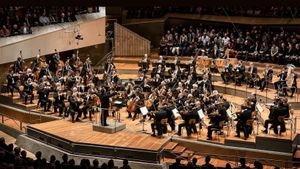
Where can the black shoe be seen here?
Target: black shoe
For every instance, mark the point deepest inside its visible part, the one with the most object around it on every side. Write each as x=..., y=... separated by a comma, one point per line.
x=209, y=138
x=265, y=131
x=153, y=135
x=105, y=125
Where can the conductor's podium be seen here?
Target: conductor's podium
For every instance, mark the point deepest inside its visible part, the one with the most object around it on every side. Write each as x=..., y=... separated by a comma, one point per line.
x=113, y=127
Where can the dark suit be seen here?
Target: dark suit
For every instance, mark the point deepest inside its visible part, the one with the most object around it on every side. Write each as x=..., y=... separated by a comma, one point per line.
x=253, y=73
x=28, y=91
x=12, y=84
x=104, y=97
x=245, y=115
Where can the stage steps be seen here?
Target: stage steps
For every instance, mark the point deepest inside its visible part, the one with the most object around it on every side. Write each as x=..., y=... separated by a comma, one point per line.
x=172, y=150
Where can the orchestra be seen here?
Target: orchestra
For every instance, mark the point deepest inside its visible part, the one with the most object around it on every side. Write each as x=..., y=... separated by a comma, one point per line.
x=175, y=93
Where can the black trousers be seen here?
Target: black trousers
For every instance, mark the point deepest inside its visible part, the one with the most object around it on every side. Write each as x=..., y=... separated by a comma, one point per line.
x=46, y=104
x=12, y=87
x=209, y=129
x=104, y=115
x=241, y=126
x=26, y=97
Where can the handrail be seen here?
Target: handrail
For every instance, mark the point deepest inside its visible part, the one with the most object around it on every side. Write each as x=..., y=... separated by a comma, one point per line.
x=21, y=126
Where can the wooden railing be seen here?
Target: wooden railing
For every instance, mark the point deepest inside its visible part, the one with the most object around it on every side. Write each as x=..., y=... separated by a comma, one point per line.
x=129, y=43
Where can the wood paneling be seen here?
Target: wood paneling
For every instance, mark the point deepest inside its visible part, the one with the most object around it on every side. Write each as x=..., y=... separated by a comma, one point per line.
x=128, y=43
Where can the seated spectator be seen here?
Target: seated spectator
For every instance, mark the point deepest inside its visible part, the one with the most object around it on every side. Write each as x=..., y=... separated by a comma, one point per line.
x=71, y=163
x=65, y=162
x=3, y=145
x=25, y=29
x=104, y=166
x=111, y=165
x=228, y=166
x=242, y=163
x=43, y=19
x=95, y=164
x=17, y=151
x=177, y=164
x=125, y=165
x=207, y=163
x=38, y=161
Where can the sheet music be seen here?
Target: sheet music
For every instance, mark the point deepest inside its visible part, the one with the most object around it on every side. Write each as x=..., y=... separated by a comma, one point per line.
x=117, y=102
x=269, y=104
x=229, y=114
x=259, y=108
x=144, y=110
x=201, y=114
x=175, y=113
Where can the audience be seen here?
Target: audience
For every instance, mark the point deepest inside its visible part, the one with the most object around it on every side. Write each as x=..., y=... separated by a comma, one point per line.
x=254, y=43
x=11, y=157
x=20, y=20
x=272, y=11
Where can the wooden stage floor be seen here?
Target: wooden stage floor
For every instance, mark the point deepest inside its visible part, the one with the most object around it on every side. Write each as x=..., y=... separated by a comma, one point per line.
x=82, y=132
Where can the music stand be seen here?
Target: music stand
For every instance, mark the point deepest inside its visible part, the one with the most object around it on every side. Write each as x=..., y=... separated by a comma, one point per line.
x=176, y=113
x=144, y=112
x=260, y=110
x=201, y=117
x=229, y=114
x=118, y=104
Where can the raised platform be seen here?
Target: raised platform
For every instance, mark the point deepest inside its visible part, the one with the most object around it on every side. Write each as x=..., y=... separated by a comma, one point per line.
x=79, y=138
x=112, y=127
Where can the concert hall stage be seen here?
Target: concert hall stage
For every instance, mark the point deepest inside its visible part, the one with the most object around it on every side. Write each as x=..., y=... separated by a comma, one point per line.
x=79, y=138
x=130, y=143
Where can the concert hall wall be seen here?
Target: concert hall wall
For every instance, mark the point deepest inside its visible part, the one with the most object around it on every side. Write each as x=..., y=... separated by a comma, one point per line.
x=93, y=32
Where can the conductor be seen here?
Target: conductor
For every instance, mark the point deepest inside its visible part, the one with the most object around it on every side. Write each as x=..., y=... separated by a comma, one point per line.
x=104, y=98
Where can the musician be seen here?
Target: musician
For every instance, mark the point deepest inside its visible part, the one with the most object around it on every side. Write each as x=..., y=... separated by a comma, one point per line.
x=109, y=66
x=226, y=72
x=36, y=63
x=216, y=117
x=157, y=123
x=145, y=62
x=241, y=125
x=161, y=60
x=43, y=93
x=59, y=100
x=239, y=73
x=268, y=75
x=138, y=102
x=28, y=75
x=67, y=69
x=189, y=114
x=104, y=96
x=44, y=72
x=18, y=66
x=279, y=109
x=12, y=83
x=252, y=70
x=28, y=91
x=159, y=70
x=53, y=64
x=73, y=105
x=205, y=85
x=86, y=69
x=281, y=83
x=114, y=77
